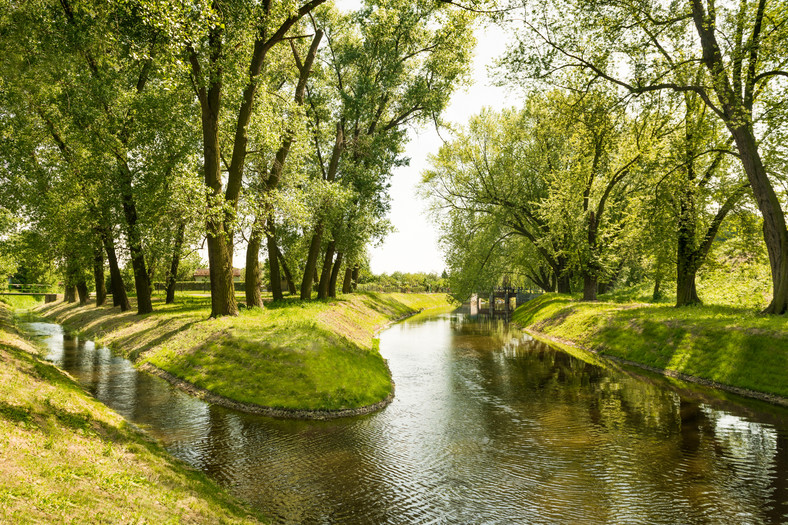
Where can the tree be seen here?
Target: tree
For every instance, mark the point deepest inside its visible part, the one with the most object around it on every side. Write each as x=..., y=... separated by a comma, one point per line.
x=264, y=223
x=593, y=196
x=487, y=186
x=650, y=46
x=552, y=188
x=387, y=65
x=93, y=98
x=212, y=59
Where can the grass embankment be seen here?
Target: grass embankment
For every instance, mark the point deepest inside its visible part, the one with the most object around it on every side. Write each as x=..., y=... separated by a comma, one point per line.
x=66, y=458
x=293, y=355
x=730, y=346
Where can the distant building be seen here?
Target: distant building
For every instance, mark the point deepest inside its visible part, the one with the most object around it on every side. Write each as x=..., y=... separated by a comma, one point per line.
x=204, y=275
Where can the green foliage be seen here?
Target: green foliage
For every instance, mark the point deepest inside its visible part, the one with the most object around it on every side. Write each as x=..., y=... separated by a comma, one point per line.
x=419, y=282
x=539, y=194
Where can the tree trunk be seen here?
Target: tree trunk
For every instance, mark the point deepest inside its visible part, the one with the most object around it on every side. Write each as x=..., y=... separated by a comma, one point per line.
x=686, y=267
x=656, y=295
x=82, y=290
x=311, y=262
x=591, y=273
x=151, y=264
x=141, y=282
x=737, y=115
x=325, y=274
x=172, y=276
x=219, y=238
x=273, y=265
x=253, y=282
x=70, y=293
x=119, y=297
x=774, y=227
x=347, y=281
x=686, y=293
x=98, y=275
x=564, y=282
x=332, y=284
x=288, y=276
x=356, y=270
x=220, y=264
x=589, y=287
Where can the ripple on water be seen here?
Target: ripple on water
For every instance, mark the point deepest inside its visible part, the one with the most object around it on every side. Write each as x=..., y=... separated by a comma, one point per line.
x=486, y=427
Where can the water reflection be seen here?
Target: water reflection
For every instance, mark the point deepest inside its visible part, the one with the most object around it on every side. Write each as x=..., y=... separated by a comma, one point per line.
x=487, y=426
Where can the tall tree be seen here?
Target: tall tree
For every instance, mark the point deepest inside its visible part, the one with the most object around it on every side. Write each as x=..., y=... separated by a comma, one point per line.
x=211, y=58
x=488, y=185
x=264, y=223
x=652, y=46
x=390, y=64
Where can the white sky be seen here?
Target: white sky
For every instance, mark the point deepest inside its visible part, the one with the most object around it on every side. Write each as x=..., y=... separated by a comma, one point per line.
x=414, y=246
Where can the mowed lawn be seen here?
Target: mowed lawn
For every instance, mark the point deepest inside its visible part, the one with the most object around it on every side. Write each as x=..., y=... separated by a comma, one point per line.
x=733, y=346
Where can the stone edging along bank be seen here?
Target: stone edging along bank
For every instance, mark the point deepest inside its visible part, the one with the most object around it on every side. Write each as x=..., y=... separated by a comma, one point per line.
x=216, y=399
x=762, y=396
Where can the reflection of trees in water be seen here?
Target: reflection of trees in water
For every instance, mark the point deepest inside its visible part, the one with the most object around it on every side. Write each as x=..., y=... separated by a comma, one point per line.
x=652, y=449
x=481, y=332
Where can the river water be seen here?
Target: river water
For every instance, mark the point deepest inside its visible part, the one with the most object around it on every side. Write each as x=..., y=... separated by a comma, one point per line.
x=487, y=426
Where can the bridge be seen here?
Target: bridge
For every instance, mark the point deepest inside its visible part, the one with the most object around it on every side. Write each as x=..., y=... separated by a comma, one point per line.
x=48, y=297
x=499, y=300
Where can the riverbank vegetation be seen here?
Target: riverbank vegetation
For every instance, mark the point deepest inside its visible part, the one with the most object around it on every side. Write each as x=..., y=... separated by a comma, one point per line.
x=67, y=458
x=267, y=128
x=293, y=354
x=729, y=345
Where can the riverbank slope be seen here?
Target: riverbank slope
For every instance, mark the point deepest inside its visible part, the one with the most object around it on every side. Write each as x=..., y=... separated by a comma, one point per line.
x=67, y=458
x=731, y=348
x=300, y=358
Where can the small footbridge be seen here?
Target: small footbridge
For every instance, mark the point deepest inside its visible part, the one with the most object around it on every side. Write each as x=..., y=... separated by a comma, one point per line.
x=48, y=297
x=500, y=301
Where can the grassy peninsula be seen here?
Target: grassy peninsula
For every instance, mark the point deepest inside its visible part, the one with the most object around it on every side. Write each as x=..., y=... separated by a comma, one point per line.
x=66, y=458
x=731, y=346
x=291, y=355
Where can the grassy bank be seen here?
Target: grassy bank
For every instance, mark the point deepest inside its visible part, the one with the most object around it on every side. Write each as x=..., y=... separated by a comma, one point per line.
x=727, y=345
x=294, y=355
x=66, y=458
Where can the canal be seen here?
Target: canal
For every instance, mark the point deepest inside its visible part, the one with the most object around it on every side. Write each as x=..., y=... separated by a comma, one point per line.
x=487, y=426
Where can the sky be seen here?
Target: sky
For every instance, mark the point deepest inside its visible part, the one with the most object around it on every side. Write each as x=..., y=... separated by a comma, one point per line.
x=413, y=247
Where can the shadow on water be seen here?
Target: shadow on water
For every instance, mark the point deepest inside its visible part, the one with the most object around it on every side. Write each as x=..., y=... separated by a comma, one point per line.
x=487, y=426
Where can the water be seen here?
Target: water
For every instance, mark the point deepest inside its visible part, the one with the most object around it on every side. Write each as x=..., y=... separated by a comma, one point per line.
x=487, y=427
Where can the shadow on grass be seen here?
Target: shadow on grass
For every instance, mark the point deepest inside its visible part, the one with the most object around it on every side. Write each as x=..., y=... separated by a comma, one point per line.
x=526, y=313
x=705, y=342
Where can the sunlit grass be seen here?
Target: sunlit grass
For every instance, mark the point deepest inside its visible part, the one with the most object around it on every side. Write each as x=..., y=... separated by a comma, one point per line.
x=731, y=345
x=22, y=302
x=66, y=458
x=291, y=354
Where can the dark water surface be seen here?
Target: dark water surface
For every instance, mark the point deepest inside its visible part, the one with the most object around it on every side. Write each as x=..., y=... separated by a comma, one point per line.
x=487, y=426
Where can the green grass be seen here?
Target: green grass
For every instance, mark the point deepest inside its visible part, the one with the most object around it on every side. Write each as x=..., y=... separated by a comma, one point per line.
x=66, y=458
x=734, y=346
x=300, y=355
x=22, y=302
